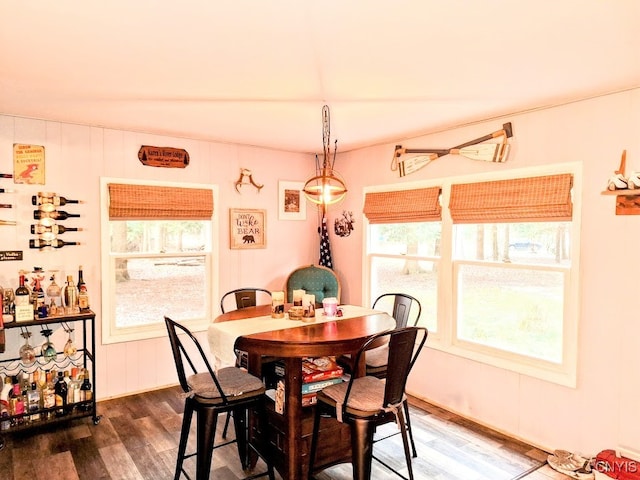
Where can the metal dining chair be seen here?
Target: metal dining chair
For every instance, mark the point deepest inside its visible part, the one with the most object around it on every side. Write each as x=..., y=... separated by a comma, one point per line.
x=245, y=297
x=367, y=402
x=405, y=310
x=208, y=394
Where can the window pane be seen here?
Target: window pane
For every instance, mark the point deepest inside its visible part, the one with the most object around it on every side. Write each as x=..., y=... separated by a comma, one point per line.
x=513, y=309
x=545, y=243
x=147, y=289
x=419, y=238
x=405, y=275
x=167, y=236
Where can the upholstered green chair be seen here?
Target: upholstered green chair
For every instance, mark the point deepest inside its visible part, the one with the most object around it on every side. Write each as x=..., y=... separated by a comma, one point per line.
x=314, y=280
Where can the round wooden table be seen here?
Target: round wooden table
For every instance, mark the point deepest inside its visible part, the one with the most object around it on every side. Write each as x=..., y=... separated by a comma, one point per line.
x=290, y=432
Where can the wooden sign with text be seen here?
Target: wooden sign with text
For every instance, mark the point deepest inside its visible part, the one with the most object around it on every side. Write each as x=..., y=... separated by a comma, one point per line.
x=166, y=157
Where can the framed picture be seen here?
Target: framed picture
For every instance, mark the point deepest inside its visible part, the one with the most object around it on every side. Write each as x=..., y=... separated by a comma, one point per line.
x=247, y=228
x=292, y=204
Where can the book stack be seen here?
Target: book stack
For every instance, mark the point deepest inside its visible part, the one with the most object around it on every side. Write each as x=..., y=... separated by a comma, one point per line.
x=317, y=373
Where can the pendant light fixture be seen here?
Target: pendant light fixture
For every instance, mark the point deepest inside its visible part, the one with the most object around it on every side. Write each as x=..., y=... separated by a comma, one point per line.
x=327, y=186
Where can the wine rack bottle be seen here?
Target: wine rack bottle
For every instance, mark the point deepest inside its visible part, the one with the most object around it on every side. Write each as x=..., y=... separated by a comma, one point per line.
x=55, y=243
x=24, y=308
x=56, y=229
x=51, y=198
x=56, y=215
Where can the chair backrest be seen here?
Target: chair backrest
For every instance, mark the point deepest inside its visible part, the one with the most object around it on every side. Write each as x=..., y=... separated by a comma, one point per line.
x=402, y=306
x=245, y=297
x=180, y=354
x=314, y=280
x=405, y=345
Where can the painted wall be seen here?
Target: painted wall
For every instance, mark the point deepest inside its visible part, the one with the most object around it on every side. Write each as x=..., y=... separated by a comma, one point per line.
x=76, y=158
x=602, y=411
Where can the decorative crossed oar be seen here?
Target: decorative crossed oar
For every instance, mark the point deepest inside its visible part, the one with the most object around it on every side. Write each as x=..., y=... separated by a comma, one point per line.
x=474, y=149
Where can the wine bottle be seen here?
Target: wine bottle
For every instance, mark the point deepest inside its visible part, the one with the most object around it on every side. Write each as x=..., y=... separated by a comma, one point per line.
x=83, y=294
x=50, y=198
x=56, y=229
x=6, y=205
x=55, y=214
x=6, y=190
x=22, y=301
x=55, y=243
x=60, y=390
x=7, y=222
x=86, y=395
x=81, y=279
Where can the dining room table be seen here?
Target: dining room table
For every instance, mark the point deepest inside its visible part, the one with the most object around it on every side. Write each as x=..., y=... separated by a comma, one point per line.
x=262, y=341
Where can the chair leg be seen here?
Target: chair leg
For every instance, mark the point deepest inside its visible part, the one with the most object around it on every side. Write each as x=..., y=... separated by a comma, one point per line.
x=207, y=421
x=240, y=424
x=409, y=429
x=405, y=442
x=362, y=448
x=226, y=426
x=314, y=440
x=184, y=437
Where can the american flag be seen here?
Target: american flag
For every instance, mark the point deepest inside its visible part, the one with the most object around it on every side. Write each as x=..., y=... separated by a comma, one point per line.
x=325, y=247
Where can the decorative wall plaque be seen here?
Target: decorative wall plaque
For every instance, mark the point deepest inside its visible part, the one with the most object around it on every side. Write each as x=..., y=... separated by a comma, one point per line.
x=28, y=164
x=166, y=157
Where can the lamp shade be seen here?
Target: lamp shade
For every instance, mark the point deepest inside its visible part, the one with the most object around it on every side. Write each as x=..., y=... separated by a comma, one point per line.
x=325, y=189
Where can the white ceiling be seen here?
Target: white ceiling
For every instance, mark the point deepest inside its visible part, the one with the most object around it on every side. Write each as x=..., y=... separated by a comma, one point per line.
x=258, y=72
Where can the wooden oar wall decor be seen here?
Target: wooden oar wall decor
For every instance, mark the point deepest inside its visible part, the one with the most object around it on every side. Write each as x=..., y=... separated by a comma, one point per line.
x=474, y=149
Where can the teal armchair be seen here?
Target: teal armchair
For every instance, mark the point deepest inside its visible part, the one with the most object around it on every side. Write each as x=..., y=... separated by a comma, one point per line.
x=315, y=280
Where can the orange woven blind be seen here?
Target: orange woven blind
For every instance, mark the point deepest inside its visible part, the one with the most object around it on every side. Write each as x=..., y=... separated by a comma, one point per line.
x=147, y=202
x=419, y=205
x=535, y=199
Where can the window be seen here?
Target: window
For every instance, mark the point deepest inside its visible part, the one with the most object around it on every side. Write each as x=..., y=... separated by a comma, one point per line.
x=157, y=257
x=497, y=275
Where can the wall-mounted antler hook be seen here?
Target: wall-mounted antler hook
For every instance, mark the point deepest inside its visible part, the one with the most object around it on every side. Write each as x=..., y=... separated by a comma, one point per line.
x=246, y=174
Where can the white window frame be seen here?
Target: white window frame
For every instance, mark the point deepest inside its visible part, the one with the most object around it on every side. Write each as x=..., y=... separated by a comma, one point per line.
x=444, y=339
x=111, y=333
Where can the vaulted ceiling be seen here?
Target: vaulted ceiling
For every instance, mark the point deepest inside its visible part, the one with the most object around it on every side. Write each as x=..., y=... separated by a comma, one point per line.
x=258, y=72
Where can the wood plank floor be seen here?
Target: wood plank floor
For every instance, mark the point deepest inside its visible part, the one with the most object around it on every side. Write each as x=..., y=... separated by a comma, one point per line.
x=137, y=438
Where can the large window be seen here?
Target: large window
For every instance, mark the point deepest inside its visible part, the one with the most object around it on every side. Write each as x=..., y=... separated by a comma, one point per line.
x=156, y=261
x=496, y=274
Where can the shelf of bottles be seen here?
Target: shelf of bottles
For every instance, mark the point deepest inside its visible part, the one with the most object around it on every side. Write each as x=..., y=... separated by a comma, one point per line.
x=48, y=215
x=51, y=382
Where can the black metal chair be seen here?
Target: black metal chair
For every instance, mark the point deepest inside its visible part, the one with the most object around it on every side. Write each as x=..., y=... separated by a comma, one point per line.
x=401, y=307
x=208, y=394
x=245, y=297
x=367, y=402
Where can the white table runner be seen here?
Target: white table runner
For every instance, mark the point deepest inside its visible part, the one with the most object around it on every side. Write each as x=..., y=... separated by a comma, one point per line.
x=222, y=336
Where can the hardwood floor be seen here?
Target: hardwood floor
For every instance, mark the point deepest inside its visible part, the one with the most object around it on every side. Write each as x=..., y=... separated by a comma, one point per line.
x=137, y=438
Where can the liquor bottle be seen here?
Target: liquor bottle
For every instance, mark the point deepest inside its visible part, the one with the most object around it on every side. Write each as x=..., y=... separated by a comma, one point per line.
x=23, y=306
x=44, y=198
x=60, y=389
x=73, y=395
x=86, y=394
x=81, y=279
x=4, y=403
x=55, y=214
x=70, y=295
x=33, y=402
x=55, y=243
x=49, y=397
x=83, y=294
x=55, y=229
x=16, y=403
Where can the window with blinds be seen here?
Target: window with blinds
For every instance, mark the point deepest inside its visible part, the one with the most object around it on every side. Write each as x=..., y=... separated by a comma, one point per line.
x=158, y=257
x=495, y=269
